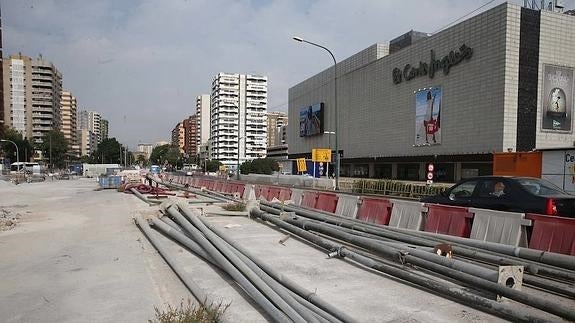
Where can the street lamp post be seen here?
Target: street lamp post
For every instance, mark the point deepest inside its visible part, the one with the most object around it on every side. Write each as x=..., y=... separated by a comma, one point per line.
x=299, y=39
x=17, y=154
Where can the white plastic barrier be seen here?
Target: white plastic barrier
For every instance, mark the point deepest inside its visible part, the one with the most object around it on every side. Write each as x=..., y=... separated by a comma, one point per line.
x=249, y=193
x=347, y=205
x=501, y=227
x=296, y=196
x=407, y=215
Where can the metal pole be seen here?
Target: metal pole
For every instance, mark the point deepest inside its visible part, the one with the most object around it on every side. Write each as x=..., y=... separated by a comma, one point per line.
x=337, y=162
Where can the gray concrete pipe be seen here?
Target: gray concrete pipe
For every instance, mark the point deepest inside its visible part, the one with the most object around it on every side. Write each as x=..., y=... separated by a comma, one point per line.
x=185, y=240
x=258, y=296
x=192, y=286
x=447, y=290
x=277, y=297
x=143, y=198
x=427, y=239
x=550, y=258
x=293, y=286
x=467, y=273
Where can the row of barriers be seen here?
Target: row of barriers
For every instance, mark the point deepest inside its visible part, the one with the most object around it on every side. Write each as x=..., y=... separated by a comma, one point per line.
x=541, y=232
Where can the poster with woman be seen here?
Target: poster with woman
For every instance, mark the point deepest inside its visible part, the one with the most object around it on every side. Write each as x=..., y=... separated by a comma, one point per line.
x=428, y=116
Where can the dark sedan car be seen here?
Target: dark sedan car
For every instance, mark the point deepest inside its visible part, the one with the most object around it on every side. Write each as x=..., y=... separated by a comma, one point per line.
x=514, y=194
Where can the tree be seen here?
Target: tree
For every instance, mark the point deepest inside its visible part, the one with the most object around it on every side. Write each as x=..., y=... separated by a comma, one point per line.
x=260, y=166
x=142, y=161
x=25, y=149
x=54, y=147
x=109, y=151
x=166, y=154
x=213, y=165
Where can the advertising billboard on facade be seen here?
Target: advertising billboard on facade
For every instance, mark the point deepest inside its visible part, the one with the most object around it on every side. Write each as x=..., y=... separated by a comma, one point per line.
x=428, y=116
x=311, y=120
x=557, y=98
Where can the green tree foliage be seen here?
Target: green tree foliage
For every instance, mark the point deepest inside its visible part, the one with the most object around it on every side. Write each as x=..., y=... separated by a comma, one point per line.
x=109, y=151
x=166, y=154
x=25, y=149
x=54, y=148
x=260, y=166
x=142, y=161
x=213, y=165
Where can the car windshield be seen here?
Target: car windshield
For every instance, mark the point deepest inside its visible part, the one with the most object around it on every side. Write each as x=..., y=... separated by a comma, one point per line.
x=540, y=187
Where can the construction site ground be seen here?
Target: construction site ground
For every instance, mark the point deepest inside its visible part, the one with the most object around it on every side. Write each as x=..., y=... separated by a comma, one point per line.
x=76, y=255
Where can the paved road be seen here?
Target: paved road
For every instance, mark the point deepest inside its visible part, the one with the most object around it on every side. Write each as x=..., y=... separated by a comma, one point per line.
x=77, y=257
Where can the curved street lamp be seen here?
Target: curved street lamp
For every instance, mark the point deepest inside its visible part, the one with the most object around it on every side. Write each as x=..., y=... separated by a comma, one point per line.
x=299, y=39
x=17, y=154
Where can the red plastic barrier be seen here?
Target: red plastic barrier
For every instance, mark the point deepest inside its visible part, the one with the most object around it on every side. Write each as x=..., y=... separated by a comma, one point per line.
x=552, y=233
x=309, y=199
x=211, y=185
x=264, y=192
x=285, y=194
x=374, y=210
x=239, y=188
x=450, y=220
x=257, y=190
x=326, y=202
x=228, y=188
x=273, y=192
x=218, y=186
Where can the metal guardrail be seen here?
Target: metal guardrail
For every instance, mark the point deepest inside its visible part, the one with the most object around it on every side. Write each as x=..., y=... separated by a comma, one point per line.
x=391, y=187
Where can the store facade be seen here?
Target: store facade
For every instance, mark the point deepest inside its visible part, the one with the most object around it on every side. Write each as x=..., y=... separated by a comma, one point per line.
x=499, y=81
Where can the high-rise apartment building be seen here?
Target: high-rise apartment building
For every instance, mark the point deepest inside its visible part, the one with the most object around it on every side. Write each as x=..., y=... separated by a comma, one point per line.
x=203, y=118
x=104, y=124
x=92, y=121
x=69, y=127
x=32, y=90
x=178, y=136
x=276, y=120
x=190, y=136
x=238, y=118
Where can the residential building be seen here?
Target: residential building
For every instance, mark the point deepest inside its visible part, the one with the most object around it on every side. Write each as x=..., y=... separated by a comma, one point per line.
x=502, y=80
x=68, y=115
x=146, y=149
x=276, y=120
x=91, y=120
x=104, y=124
x=32, y=101
x=178, y=136
x=88, y=142
x=238, y=118
x=203, y=118
x=190, y=136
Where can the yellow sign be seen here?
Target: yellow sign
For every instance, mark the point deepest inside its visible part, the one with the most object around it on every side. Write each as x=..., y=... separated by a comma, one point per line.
x=223, y=168
x=321, y=155
x=301, y=167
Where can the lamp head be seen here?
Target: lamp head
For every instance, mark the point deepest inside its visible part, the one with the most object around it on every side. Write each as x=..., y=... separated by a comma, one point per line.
x=296, y=38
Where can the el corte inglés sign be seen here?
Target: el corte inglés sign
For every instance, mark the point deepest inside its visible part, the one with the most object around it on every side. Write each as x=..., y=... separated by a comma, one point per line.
x=454, y=57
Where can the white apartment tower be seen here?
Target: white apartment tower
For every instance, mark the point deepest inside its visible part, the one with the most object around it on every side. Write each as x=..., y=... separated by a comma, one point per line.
x=91, y=120
x=203, y=119
x=238, y=118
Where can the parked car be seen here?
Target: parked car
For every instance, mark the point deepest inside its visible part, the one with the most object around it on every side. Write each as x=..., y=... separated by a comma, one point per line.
x=514, y=194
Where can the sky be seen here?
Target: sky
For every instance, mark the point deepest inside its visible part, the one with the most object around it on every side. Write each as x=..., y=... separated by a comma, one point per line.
x=142, y=63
